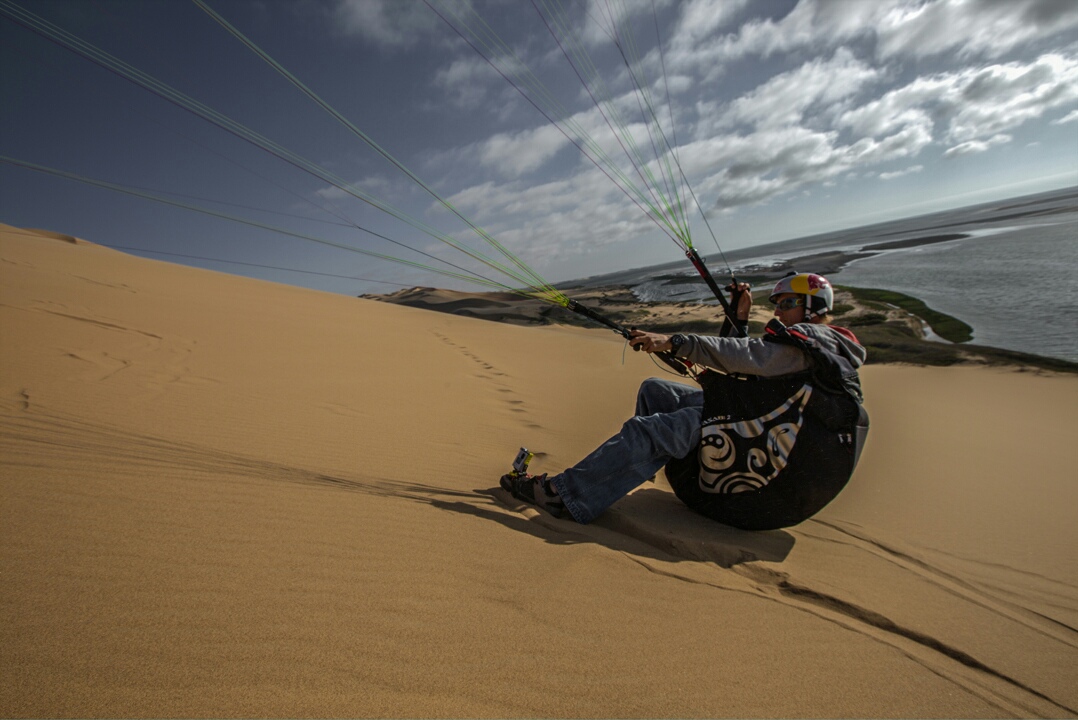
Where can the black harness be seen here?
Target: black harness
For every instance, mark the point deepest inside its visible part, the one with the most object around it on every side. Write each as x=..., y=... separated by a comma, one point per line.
x=774, y=451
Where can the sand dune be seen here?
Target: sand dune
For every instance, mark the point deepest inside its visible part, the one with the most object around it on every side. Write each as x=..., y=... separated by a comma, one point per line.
x=226, y=497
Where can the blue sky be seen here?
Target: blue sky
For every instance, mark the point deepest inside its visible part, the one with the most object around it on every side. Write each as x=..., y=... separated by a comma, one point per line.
x=790, y=118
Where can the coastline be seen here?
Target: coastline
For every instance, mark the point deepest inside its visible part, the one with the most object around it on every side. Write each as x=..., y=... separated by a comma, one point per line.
x=894, y=327
x=833, y=261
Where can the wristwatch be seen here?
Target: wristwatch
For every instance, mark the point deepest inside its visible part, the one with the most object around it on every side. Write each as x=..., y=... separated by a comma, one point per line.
x=676, y=341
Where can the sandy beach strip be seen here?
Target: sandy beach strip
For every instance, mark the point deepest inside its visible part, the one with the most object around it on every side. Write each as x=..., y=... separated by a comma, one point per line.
x=227, y=497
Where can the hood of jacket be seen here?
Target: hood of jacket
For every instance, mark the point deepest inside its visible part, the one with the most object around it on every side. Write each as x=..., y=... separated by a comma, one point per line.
x=838, y=340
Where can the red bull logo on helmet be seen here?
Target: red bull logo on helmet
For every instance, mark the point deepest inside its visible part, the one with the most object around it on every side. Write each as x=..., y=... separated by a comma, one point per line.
x=808, y=284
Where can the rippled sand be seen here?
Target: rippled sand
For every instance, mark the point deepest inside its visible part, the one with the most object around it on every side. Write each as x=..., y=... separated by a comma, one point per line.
x=226, y=497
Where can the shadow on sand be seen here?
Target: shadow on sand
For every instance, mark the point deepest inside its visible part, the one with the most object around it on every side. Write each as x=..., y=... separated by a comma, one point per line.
x=650, y=523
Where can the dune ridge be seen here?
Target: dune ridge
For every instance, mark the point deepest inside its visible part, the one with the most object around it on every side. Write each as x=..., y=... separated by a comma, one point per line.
x=227, y=497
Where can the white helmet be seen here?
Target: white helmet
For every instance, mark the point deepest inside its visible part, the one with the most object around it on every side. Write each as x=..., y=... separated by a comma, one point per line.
x=819, y=297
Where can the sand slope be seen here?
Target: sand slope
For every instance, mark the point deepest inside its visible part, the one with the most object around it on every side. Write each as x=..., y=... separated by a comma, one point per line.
x=227, y=497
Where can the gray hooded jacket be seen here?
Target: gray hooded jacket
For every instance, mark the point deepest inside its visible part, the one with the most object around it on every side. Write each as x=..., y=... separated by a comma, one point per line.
x=755, y=356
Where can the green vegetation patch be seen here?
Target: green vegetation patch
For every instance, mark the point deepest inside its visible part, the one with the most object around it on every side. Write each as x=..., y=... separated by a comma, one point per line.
x=870, y=318
x=841, y=309
x=947, y=327
x=893, y=342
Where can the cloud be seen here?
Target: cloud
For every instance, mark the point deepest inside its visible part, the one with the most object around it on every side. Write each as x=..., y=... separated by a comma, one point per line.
x=895, y=28
x=700, y=19
x=899, y=173
x=754, y=168
x=783, y=99
x=570, y=217
x=514, y=154
x=1070, y=117
x=376, y=185
x=466, y=80
x=1001, y=97
x=977, y=146
x=601, y=16
x=386, y=23
x=787, y=144
x=798, y=129
x=971, y=28
x=811, y=23
x=971, y=106
x=974, y=104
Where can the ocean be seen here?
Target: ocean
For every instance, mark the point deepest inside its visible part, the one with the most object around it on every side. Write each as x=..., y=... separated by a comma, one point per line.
x=1010, y=270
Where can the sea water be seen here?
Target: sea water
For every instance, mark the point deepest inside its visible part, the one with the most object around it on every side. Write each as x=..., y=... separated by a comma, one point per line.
x=1013, y=278
x=1017, y=286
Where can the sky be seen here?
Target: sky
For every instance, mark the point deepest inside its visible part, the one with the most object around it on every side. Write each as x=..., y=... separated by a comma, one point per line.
x=785, y=119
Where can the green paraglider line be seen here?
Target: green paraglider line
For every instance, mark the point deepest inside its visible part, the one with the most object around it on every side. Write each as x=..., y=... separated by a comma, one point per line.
x=471, y=277
x=672, y=217
x=681, y=366
x=124, y=70
x=257, y=265
x=230, y=262
x=583, y=142
x=370, y=142
x=541, y=289
x=593, y=83
x=690, y=252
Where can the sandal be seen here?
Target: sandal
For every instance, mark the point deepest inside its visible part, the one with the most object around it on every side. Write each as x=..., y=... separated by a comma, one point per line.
x=534, y=489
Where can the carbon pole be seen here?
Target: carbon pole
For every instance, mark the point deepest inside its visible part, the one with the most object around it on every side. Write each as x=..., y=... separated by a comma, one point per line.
x=731, y=315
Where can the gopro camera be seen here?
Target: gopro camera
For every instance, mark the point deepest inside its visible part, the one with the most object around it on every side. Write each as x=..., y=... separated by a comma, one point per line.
x=520, y=465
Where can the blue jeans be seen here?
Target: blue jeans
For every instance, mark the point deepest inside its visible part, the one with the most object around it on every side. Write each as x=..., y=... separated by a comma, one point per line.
x=666, y=426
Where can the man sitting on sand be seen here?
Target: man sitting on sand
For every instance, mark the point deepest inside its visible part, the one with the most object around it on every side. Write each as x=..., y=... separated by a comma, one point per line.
x=667, y=424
